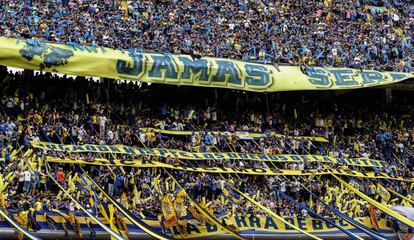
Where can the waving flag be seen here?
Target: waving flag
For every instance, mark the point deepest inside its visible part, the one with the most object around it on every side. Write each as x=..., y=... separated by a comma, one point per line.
x=383, y=192
x=231, y=195
x=168, y=211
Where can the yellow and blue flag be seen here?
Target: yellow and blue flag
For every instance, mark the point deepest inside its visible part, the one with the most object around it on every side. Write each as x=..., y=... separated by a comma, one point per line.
x=146, y=188
x=231, y=195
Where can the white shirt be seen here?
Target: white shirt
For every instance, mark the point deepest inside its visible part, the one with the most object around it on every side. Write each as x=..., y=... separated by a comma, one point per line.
x=222, y=184
x=295, y=186
x=71, y=207
x=214, y=116
x=21, y=177
x=11, y=126
x=296, y=132
x=35, y=138
x=396, y=17
x=102, y=120
x=9, y=103
x=27, y=176
x=214, y=141
x=110, y=135
x=142, y=136
x=283, y=186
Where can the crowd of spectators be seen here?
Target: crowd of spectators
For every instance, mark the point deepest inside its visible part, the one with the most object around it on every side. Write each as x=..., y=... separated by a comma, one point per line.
x=367, y=34
x=42, y=110
x=55, y=109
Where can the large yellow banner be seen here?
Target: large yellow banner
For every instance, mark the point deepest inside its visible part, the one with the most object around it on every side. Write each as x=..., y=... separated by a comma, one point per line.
x=246, y=223
x=180, y=154
x=240, y=134
x=183, y=69
x=250, y=171
x=270, y=225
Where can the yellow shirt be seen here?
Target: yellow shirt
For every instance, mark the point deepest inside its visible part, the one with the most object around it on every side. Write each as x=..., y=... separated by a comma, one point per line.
x=356, y=146
x=152, y=137
x=94, y=119
x=38, y=118
x=329, y=123
x=38, y=206
x=148, y=135
x=373, y=189
x=16, y=100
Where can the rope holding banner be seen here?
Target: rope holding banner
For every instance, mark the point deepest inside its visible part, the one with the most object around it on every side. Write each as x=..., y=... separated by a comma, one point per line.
x=140, y=224
x=231, y=170
x=376, y=204
x=205, y=213
x=345, y=217
x=311, y=212
x=277, y=216
x=401, y=196
x=106, y=228
x=3, y=214
x=273, y=214
x=18, y=227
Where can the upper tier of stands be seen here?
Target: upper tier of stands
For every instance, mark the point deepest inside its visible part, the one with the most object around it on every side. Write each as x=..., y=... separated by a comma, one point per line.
x=369, y=34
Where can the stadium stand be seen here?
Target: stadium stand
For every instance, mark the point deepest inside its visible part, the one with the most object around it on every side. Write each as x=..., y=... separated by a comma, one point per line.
x=91, y=157
x=363, y=34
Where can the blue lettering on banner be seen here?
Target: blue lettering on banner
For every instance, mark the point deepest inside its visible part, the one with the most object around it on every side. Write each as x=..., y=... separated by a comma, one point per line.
x=317, y=224
x=114, y=149
x=162, y=152
x=51, y=146
x=77, y=148
x=318, y=77
x=270, y=223
x=370, y=77
x=208, y=156
x=211, y=228
x=257, y=75
x=291, y=221
x=90, y=148
x=63, y=147
x=343, y=77
x=123, y=67
x=103, y=148
x=162, y=68
x=398, y=76
x=183, y=154
x=240, y=221
x=254, y=221
x=129, y=150
x=227, y=72
x=194, y=70
x=302, y=224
